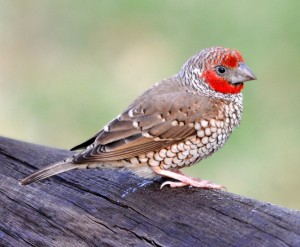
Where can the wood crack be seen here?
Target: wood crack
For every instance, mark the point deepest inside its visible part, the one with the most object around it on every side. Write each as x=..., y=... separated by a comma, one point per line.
x=254, y=226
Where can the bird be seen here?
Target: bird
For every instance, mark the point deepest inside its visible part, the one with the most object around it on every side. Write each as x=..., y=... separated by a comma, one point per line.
x=176, y=123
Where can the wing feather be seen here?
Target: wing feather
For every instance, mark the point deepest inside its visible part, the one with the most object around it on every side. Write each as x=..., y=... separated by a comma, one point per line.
x=156, y=120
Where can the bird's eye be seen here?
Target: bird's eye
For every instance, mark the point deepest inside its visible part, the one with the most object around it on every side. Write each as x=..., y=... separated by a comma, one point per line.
x=221, y=70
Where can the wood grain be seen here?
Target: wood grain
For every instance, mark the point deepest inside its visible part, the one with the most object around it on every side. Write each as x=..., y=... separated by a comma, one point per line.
x=115, y=208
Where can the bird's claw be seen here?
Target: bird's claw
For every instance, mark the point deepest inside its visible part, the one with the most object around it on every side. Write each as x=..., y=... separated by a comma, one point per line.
x=205, y=184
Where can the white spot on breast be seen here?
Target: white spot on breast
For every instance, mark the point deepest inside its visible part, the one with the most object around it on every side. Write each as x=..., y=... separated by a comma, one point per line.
x=207, y=132
x=157, y=157
x=204, y=123
x=194, y=152
x=215, y=145
x=181, y=156
x=193, y=139
x=211, y=139
x=170, y=154
x=200, y=133
x=199, y=144
x=153, y=162
x=163, y=153
x=180, y=146
x=204, y=140
x=188, y=142
x=196, y=141
x=175, y=161
x=203, y=151
x=193, y=146
x=213, y=129
x=174, y=148
x=213, y=122
x=197, y=126
x=168, y=161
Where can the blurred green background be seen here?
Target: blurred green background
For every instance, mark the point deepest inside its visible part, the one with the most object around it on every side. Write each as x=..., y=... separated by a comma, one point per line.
x=69, y=67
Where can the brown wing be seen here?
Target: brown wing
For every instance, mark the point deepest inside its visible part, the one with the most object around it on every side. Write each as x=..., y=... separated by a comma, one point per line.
x=163, y=115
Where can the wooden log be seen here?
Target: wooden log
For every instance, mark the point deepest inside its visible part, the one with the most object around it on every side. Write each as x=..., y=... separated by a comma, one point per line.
x=115, y=208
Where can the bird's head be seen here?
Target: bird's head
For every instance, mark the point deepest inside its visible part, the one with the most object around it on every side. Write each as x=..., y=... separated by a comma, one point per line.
x=222, y=69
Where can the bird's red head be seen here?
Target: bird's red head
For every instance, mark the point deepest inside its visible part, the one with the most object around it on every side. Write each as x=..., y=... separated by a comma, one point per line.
x=224, y=70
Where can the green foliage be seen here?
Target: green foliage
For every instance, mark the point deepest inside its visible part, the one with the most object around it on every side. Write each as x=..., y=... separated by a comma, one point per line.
x=68, y=67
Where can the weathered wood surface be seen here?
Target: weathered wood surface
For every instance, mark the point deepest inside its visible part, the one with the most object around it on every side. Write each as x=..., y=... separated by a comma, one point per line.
x=112, y=208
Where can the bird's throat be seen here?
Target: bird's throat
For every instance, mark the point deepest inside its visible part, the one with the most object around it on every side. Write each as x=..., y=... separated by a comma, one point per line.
x=220, y=84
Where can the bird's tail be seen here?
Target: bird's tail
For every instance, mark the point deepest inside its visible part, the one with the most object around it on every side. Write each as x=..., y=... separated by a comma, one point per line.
x=49, y=171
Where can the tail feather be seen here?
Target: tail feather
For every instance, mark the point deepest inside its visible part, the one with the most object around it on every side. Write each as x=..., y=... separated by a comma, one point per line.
x=49, y=171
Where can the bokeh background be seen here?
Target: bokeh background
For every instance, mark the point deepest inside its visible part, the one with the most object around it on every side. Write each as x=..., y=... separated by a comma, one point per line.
x=69, y=67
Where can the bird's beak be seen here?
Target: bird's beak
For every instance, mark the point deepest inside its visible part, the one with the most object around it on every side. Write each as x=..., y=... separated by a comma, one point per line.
x=243, y=73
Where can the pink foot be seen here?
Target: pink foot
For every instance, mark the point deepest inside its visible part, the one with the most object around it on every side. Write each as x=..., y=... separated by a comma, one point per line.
x=185, y=180
x=205, y=184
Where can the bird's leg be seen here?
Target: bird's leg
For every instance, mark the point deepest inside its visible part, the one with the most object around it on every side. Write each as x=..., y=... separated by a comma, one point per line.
x=185, y=180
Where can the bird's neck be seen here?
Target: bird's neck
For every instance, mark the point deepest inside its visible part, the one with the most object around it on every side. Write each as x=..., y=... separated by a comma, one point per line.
x=193, y=84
